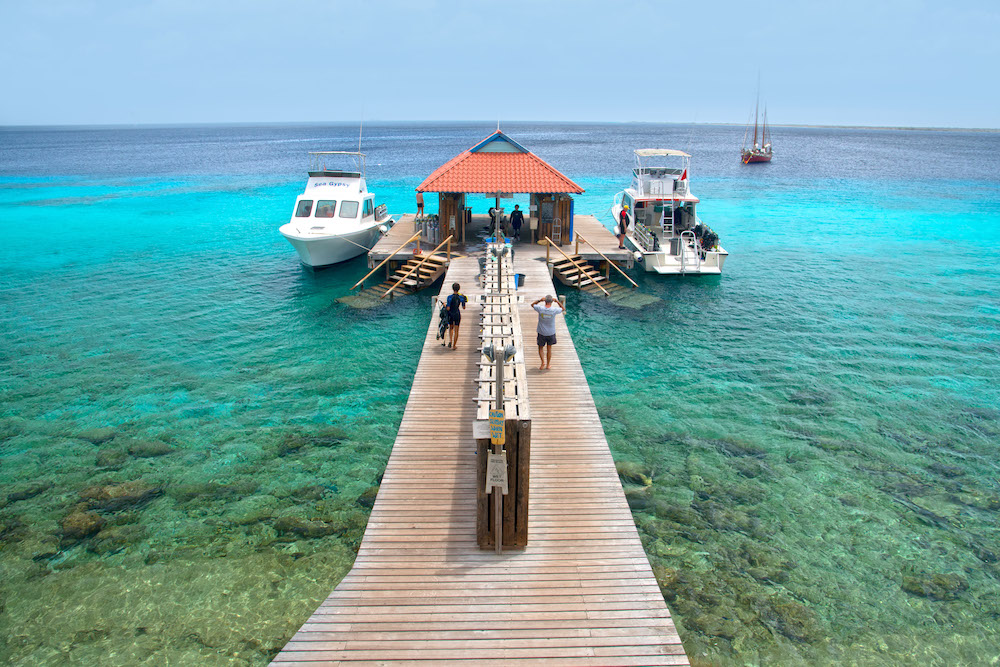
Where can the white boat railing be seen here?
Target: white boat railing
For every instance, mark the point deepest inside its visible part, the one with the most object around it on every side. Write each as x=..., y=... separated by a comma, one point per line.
x=318, y=160
x=643, y=236
x=689, y=237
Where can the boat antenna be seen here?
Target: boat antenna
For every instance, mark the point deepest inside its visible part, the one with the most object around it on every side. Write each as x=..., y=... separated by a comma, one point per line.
x=361, y=126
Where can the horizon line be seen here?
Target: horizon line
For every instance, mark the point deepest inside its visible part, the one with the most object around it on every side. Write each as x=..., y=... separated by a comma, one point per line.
x=155, y=125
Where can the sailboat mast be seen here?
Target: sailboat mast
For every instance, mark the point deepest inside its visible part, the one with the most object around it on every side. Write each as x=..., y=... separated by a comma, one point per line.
x=755, y=110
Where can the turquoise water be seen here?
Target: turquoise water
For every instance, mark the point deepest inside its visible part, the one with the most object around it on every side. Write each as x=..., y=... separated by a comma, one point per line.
x=191, y=427
x=821, y=426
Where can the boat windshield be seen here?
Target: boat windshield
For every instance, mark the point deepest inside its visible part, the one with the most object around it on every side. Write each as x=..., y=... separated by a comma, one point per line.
x=304, y=208
x=348, y=209
x=325, y=207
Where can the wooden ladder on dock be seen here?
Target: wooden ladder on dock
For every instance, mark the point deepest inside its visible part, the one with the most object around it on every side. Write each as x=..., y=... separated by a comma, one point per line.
x=433, y=268
x=584, y=275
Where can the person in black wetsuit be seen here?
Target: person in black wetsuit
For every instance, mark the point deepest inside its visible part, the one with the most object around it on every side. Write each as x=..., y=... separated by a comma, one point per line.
x=455, y=304
x=516, y=220
x=622, y=226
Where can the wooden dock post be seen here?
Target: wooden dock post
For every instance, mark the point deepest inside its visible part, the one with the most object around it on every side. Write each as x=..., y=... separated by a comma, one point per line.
x=515, y=507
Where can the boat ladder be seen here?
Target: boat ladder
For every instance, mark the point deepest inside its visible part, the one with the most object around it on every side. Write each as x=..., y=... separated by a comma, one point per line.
x=667, y=221
x=690, y=252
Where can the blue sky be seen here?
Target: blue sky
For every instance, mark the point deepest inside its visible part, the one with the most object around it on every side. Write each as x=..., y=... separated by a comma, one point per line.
x=890, y=63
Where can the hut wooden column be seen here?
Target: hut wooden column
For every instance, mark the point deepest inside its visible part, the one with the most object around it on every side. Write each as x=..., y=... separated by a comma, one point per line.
x=451, y=204
x=564, y=211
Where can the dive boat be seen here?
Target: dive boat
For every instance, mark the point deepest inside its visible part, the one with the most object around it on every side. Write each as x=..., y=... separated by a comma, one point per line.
x=335, y=219
x=664, y=231
x=756, y=152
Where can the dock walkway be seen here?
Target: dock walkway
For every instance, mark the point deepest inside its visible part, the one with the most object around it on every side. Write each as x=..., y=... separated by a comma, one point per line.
x=587, y=226
x=421, y=592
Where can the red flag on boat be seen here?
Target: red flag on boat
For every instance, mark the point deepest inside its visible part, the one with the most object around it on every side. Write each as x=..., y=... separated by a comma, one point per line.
x=684, y=175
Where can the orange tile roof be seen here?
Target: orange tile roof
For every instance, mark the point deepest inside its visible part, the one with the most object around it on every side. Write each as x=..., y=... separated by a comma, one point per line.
x=489, y=173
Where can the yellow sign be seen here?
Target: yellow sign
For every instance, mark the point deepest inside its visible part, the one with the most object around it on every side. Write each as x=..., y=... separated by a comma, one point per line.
x=496, y=427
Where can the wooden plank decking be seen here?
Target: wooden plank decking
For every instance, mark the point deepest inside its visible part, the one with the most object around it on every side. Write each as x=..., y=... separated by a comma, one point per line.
x=421, y=592
x=586, y=225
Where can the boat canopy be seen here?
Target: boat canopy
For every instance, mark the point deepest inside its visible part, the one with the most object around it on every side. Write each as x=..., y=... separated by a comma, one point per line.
x=353, y=161
x=660, y=152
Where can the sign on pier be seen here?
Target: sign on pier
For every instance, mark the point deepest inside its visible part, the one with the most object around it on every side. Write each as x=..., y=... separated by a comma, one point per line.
x=497, y=421
x=496, y=472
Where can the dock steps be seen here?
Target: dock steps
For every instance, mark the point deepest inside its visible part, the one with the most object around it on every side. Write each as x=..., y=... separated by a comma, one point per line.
x=577, y=272
x=427, y=274
x=583, y=275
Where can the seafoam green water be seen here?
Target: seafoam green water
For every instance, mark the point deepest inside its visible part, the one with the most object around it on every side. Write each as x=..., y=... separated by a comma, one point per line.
x=192, y=428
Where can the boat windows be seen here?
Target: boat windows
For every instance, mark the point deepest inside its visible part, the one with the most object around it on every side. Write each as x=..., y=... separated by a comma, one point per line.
x=304, y=208
x=369, y=208
x=348, y=209
x=325, y=207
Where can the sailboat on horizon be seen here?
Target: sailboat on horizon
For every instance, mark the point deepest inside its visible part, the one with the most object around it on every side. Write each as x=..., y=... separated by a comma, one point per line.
x=760, y=149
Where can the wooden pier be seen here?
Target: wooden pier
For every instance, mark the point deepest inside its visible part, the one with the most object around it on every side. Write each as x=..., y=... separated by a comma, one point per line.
x=585, y=225
x=422, y=592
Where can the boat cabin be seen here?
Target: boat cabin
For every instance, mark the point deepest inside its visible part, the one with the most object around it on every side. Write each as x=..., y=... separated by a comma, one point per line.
x=337, y=193
x=663, y=179
x=660, y=198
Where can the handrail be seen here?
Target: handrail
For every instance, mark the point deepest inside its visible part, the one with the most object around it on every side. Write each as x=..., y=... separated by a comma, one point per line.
x=419, y=264
x=580, y=238
x=695, y=246
x=391, y=254
x=582, y=272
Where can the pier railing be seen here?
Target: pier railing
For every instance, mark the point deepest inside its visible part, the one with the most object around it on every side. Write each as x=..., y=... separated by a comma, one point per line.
x=608, y=261
x=391, y=255
x=417, y=266
x=579, y=268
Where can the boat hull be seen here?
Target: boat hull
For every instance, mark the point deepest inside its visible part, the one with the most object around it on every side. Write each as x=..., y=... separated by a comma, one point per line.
x=752, y=158
x=664, y=263
x=319, y=251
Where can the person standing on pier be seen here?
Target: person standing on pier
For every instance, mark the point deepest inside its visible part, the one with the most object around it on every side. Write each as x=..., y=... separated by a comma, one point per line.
x=516, y=220
x=455, y=303
x=420, y=204
x=622, y=226
x=547, y=328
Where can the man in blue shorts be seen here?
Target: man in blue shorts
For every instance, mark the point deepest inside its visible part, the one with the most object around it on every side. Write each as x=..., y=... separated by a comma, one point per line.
x=546, y=328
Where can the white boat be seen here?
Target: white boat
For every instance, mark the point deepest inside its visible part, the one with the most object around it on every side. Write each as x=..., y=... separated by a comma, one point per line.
x=335, y=219
x=664, y=231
